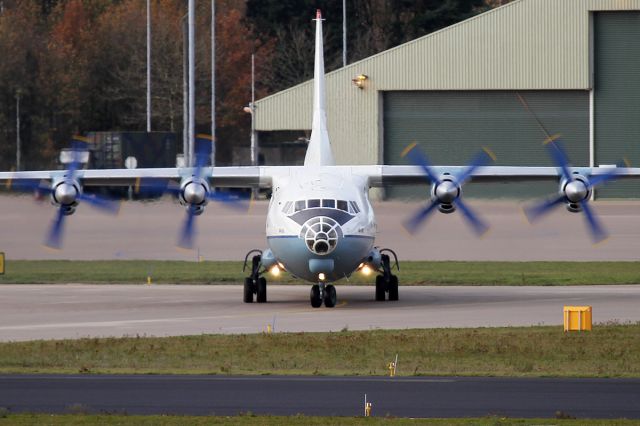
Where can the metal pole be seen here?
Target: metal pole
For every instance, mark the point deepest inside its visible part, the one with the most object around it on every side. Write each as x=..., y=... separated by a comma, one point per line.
x=192, y=85
x=213, y=82
x=18, y=142
x=185, y=92
x=344, y=33
x=148, y=65
x=254, y=141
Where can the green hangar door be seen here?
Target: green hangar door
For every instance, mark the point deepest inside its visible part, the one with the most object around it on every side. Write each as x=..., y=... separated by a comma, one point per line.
x=452, y=126
x=617, y=95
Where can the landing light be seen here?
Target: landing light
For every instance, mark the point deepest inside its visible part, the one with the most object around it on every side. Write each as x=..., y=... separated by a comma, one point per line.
x=366, y=270
x=275, y=271
x=321, y=276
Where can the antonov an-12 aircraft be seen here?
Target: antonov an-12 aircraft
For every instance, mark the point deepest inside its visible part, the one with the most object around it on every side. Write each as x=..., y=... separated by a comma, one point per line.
x=320, y=224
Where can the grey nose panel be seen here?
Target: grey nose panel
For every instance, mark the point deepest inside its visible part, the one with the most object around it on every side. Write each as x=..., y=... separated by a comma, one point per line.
x=324, y=266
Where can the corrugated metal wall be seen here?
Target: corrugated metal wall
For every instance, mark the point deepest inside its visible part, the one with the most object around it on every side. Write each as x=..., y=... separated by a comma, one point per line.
x=525, y=45
x=451, y=127
x=617, y=94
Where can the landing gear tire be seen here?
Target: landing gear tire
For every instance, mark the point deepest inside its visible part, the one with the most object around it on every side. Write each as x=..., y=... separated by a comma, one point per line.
x=330, y=296
x=393, y=288
x=316, y=300
x=248, y=290
x=380, y=288
x=261, y=293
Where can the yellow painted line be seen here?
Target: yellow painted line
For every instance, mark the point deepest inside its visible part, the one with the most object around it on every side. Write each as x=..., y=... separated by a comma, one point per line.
x=137, y=185
x=408, y=148
x=204, y=136
x=550, y=139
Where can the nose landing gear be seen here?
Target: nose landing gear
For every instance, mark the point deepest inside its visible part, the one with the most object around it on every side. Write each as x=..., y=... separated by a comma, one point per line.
x=387, y=282
x=323, y=293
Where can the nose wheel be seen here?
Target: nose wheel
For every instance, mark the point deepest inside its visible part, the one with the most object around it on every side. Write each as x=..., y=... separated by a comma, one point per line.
x=323, y=293
x=386, y=283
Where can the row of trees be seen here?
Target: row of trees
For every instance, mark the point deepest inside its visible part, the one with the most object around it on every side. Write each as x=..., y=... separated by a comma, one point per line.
x=80, y=65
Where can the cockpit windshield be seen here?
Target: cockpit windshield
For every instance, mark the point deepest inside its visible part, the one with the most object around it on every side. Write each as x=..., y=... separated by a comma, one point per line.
x=325, y=203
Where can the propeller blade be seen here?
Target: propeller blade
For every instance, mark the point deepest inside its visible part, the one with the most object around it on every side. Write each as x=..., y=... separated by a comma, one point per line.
x=483, y=158
x=412, y=224
x=558, y=155
x=479, y=227
x=236, y=201
x=54, y=237
x=534, y=212
x=417, y=157
x=600, y=179
x=186, y=235
x=103, y=204
x=598, y=233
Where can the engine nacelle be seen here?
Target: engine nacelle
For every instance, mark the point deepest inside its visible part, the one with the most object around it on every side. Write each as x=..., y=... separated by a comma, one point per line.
x=193, y=192
x=575, y=191
x=65, y=194
x=445, y=193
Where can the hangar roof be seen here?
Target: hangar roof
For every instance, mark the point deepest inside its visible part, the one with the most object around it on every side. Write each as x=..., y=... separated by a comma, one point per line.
x=524, y=45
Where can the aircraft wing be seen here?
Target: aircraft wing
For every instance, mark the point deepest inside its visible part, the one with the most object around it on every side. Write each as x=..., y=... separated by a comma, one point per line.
x=218, y=176
x=411, y=175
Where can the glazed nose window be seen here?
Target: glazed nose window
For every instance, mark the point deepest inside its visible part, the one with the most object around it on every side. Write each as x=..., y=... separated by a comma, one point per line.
x=320, y=234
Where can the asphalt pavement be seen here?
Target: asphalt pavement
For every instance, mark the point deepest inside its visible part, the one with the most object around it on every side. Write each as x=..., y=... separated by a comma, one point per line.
x=323, y=396
x=29, y=312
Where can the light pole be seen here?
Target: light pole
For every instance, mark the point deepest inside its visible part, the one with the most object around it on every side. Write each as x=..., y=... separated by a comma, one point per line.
x=192, y=85
x=251, y=109
x=344, y=33
x=148, y=66
x=18, y=141
x=213, y=83
x=185, y=92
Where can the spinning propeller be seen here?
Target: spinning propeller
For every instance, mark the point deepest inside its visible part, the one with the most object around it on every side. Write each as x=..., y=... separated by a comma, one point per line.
x=446, y=189
x=575, y=191
x=65, y=192
x=194, y=192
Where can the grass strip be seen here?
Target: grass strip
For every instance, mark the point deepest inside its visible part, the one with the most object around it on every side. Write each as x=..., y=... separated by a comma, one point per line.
x=607, y=351
x=411, y=273
x=251, y=420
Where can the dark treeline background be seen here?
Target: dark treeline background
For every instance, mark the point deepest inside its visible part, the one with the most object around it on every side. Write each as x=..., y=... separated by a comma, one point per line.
x=80, y=65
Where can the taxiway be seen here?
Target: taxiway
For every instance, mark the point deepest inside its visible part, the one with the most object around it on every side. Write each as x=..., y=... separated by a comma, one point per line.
x=30, y=312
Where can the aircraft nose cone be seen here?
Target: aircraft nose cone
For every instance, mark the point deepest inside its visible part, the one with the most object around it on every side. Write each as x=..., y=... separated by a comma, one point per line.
x=65, y=194
x=576, y=191
x=194, y=193
x=446, y=192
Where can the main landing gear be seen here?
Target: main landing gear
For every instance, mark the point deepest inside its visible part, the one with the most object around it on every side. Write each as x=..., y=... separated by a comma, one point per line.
x=323, y=293
x=254, y=283
x=386, y=282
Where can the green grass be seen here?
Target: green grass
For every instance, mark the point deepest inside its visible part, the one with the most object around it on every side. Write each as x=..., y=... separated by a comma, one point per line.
x=411, y=273
x=608, y=351
x=250, y=420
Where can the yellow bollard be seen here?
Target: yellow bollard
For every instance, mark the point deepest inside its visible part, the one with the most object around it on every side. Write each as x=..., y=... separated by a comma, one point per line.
x=367, y=407
x=269, y=329
x=148, y=279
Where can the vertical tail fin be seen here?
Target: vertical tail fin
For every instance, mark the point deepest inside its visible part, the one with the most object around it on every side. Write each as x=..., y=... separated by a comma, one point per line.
x=319, y=150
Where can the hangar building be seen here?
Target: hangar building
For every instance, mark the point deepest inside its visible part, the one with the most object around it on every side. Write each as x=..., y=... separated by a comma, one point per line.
x=573, y=64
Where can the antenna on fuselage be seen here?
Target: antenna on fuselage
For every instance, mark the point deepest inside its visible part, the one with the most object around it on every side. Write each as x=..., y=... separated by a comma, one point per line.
x=319, y=150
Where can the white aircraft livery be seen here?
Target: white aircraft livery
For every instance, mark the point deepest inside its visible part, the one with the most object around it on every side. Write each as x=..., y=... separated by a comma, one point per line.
x=321, y=225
